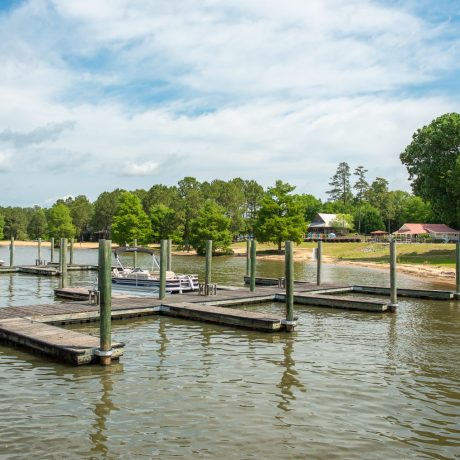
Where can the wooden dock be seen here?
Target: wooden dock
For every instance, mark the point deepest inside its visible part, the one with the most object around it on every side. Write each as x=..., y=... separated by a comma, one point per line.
x=45, y=270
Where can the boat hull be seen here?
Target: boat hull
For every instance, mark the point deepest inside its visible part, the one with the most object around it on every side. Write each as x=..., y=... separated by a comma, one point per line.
x=176, y=285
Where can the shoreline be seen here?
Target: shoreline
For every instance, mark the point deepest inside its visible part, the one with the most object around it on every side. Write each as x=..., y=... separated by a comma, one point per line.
x=444, y=275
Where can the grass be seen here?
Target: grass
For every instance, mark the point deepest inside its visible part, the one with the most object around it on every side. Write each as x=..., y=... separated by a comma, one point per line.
x=417, y=253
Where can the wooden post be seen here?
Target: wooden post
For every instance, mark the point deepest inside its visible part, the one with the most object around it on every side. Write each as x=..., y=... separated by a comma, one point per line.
x=135, y=254
x=207, y=273
x=393, y=287
x=52, y=251
x=289, y=276
x=319, y=256
x=63, y=262
x=248, y=257
x=169, y=264
x=71, y=252
x=12, y=251
x=105, y=290
x=163, y=257
x=39, y=250
x=457, y=269
x=252, y=284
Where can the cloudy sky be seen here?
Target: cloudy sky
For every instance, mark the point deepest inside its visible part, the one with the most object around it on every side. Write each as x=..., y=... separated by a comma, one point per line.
x=100, y=94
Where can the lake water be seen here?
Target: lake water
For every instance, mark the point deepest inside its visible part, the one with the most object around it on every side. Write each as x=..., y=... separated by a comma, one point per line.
x=344, y=385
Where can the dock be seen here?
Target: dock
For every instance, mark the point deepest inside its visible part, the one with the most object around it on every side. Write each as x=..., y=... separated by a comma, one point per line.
x=45, y=270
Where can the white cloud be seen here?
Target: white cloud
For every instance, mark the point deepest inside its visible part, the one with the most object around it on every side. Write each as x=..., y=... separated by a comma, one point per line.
x=5, y=161
x=139, y=169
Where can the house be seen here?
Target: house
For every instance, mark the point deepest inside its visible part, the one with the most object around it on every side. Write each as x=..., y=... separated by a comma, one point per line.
x=329, y=223
x=418, y=232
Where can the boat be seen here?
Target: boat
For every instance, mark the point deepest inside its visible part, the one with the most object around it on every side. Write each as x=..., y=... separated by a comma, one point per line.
x=2, y=262
x=142, y=279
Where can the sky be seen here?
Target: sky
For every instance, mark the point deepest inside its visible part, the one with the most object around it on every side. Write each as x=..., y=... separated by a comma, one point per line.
x=104, y=94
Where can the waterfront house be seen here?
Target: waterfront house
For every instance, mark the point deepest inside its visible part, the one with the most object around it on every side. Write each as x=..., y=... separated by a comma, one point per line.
x=421, y=232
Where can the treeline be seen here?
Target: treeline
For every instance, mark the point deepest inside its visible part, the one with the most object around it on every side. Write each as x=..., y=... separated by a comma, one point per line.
x=192, y=211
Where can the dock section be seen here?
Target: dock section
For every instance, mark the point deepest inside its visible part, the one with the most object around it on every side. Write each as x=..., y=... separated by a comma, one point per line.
x=61, y=344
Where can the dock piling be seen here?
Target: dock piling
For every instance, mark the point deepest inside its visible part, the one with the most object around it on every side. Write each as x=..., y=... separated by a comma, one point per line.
x=39, y=250
x=207, y=273
x=393, y=286
x=248, y=257
x=457, y=270
x=52, y=251
x=289, y=281
x=135, y=254
x=163, y=257
x=71, y=252
x=319, y=256
x=12, y=251
x=105, y=290
x=63, y=263
x=252, y=284
x=169, y=259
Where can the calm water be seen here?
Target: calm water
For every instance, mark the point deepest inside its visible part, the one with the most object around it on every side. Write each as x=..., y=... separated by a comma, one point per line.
x=345, y=385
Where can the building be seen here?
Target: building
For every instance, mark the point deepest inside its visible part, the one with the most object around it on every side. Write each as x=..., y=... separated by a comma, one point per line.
x=420, y=232
x=328, y=223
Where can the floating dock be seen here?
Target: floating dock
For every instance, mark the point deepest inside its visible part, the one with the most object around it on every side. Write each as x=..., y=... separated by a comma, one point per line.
x=45, y=270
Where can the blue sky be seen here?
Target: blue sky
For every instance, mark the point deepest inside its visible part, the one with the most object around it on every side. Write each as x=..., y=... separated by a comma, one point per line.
x=101, y=94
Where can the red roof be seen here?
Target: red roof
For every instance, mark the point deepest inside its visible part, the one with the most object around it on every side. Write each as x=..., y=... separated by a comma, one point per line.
x=420, y=229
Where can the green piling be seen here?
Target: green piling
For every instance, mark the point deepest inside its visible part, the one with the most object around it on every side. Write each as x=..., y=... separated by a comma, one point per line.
x=248, y=257
x=105, y=290
x=252, y=284
x=63, y=262
x=319, y=257
x=135, y=254
x=289, y=276
x=207, y=273
x=12, y=251
x=71, y=252
x=457, y=269
x=393, y=287
x=52, y=251
x=169, y=260
x=163, y=257
x=39, y=250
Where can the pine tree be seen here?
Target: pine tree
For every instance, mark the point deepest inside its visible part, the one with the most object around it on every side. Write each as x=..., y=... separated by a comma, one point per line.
x=340, y=183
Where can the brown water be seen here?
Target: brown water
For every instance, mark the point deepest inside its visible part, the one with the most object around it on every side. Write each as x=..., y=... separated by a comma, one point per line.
x=345, y=385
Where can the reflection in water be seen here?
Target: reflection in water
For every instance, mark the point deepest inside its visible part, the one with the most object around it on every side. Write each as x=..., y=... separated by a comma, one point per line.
x=99, y=435
x=290, y=377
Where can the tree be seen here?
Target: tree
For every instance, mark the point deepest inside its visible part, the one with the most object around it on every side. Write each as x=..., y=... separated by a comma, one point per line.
x=2, y=224
x=311, y=206
x=210, y=224
x=361, y=185
x=60, y=222
x=81, y=211
x=104, y=209
x=165, y=223
x=191, y=201
x=253, y=194
x=432, y=160
x=160, y=194
x=38, y=224
x=15, y=223
x=281, y=216
x=369, y=217
x=416, y=210
x=340, y=183
x=344, y=222
x=379, y=197
x=130, y=221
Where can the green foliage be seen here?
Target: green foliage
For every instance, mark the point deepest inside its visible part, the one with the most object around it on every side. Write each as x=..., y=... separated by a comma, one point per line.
x=160, y=194
x=60, y=222
x=38, y=224
x=432, y=160
x=210, y=224
x=191, y=201
x=281, y=216
x=2, y=224
x=130, y=221
x=343, y=223
x=340, y=185
x=310, y=205
x=16, y=220
x=104, y=210
x=81, y=211
x=367, y=219
x=165, y=224
x=361, y=185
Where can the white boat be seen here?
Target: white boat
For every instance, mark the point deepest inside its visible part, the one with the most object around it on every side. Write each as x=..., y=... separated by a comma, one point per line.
x=139, y=278
x=2, y=262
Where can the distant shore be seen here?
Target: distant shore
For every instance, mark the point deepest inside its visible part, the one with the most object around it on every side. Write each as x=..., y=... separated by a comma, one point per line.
x=441, y=274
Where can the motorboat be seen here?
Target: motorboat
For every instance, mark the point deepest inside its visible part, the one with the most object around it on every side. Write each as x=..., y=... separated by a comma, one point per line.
x=142, y=279
x=2, y=262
